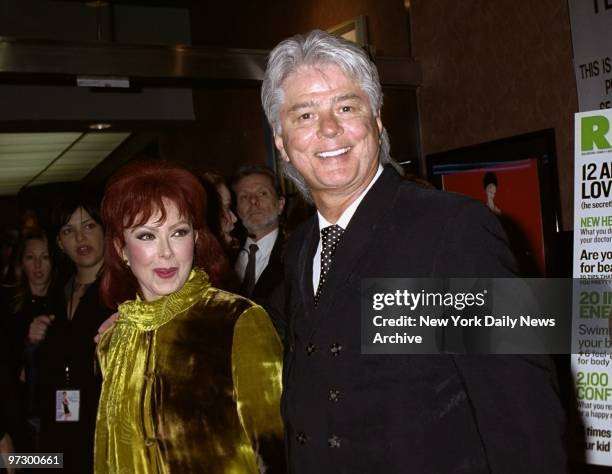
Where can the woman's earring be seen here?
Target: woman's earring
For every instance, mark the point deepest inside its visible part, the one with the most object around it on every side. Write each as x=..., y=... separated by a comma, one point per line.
x=126, y=262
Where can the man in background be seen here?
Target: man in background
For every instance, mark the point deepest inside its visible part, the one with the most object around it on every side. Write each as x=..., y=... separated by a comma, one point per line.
x=259, y=206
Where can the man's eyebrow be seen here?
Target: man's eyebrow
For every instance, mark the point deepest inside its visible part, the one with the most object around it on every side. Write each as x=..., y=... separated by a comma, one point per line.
x=312, y=103
x=342, y=98
x=302, y=105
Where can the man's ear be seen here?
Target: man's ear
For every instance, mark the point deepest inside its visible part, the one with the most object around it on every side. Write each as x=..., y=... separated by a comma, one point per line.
x=278, y=141
x=281, y=204
x=379, y=123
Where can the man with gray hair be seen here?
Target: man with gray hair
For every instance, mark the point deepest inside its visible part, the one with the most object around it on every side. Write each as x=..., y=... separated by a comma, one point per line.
x=259, y=205
x=346, y=412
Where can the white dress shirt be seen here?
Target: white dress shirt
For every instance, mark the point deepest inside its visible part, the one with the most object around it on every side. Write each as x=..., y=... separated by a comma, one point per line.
x=343, y=222
x=262, y=257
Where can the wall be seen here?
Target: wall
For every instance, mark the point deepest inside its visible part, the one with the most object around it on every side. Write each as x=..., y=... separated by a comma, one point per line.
x=228, y=132
x=10, y=213
x=494, y=69
x=260, y=25
x=230, y=128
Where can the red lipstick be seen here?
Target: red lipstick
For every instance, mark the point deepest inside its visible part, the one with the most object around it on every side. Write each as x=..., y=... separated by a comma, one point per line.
x=165, y=272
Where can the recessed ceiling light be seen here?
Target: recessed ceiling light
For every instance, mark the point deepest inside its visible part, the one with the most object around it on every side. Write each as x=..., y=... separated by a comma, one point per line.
x=100, y=126
x=31, y=159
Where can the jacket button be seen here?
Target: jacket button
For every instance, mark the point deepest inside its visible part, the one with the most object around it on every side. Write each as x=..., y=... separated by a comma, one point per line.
x=301, y=437
x=291, y=348
x=336, y=349
x=310, y=348
x=334, y=395
x=333, y=442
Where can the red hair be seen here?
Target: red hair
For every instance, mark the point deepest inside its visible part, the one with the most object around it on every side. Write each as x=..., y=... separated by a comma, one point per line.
x=134, y=194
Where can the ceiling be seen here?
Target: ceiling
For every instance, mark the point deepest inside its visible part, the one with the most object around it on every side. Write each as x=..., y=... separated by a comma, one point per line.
x=38, y=78
x=30, y=159
x=155, y=3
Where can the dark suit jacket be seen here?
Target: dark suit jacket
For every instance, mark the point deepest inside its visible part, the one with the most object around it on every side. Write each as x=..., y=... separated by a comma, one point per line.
x=272, y=276
x=351, y=413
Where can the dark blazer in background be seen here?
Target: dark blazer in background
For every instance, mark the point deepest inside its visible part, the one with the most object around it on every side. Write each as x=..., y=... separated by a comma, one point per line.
x=272, y=275
x=351, y=413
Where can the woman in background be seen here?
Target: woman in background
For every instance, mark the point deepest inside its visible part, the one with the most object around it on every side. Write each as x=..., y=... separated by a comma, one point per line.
x=33, y=279
x=221, y=218
x=65, y=337
x=192, y=374
x=489, y=182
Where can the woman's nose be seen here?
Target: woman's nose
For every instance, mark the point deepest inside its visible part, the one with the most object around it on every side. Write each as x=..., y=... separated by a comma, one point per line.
x=165, y=250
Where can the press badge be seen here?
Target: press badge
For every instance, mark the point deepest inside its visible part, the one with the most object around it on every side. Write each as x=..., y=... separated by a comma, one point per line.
x=67, y=404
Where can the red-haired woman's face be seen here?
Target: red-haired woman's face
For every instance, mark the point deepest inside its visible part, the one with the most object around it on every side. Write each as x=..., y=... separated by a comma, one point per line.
x=160, y=254
x=36, y=263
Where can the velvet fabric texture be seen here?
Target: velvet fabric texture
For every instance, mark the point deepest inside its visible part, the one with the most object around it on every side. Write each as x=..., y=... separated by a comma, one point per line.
x=192, y=383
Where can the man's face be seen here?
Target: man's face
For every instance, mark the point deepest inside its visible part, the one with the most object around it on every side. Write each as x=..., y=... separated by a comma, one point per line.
x=258, y=205
x=329, y=132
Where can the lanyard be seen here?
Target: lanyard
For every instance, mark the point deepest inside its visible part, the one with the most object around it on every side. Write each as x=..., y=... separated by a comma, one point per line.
x=67, y=374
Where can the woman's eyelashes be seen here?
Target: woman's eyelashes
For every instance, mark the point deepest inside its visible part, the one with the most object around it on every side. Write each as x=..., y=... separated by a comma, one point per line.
x=181, y=232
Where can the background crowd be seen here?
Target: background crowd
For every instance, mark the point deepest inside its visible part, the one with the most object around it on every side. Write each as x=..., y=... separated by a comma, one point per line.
x=51, y=308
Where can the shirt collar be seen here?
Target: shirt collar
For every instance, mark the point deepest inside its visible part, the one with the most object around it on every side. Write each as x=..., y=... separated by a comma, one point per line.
x=347, y=215
x=265, y=244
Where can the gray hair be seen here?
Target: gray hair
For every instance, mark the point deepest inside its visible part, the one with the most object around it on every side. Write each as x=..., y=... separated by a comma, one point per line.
x=313, y=49
x=250, y=169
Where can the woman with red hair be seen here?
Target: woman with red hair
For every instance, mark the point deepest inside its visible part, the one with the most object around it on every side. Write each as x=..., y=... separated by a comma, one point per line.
x=192, y=374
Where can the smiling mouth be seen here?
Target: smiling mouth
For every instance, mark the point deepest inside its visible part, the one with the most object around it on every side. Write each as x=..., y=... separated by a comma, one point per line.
x=333, y=153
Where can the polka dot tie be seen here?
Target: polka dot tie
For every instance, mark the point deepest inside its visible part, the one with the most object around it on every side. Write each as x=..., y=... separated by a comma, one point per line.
x=330, y=238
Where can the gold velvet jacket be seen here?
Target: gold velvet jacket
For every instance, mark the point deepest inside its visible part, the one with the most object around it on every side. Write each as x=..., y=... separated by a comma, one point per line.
x=192, y=384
